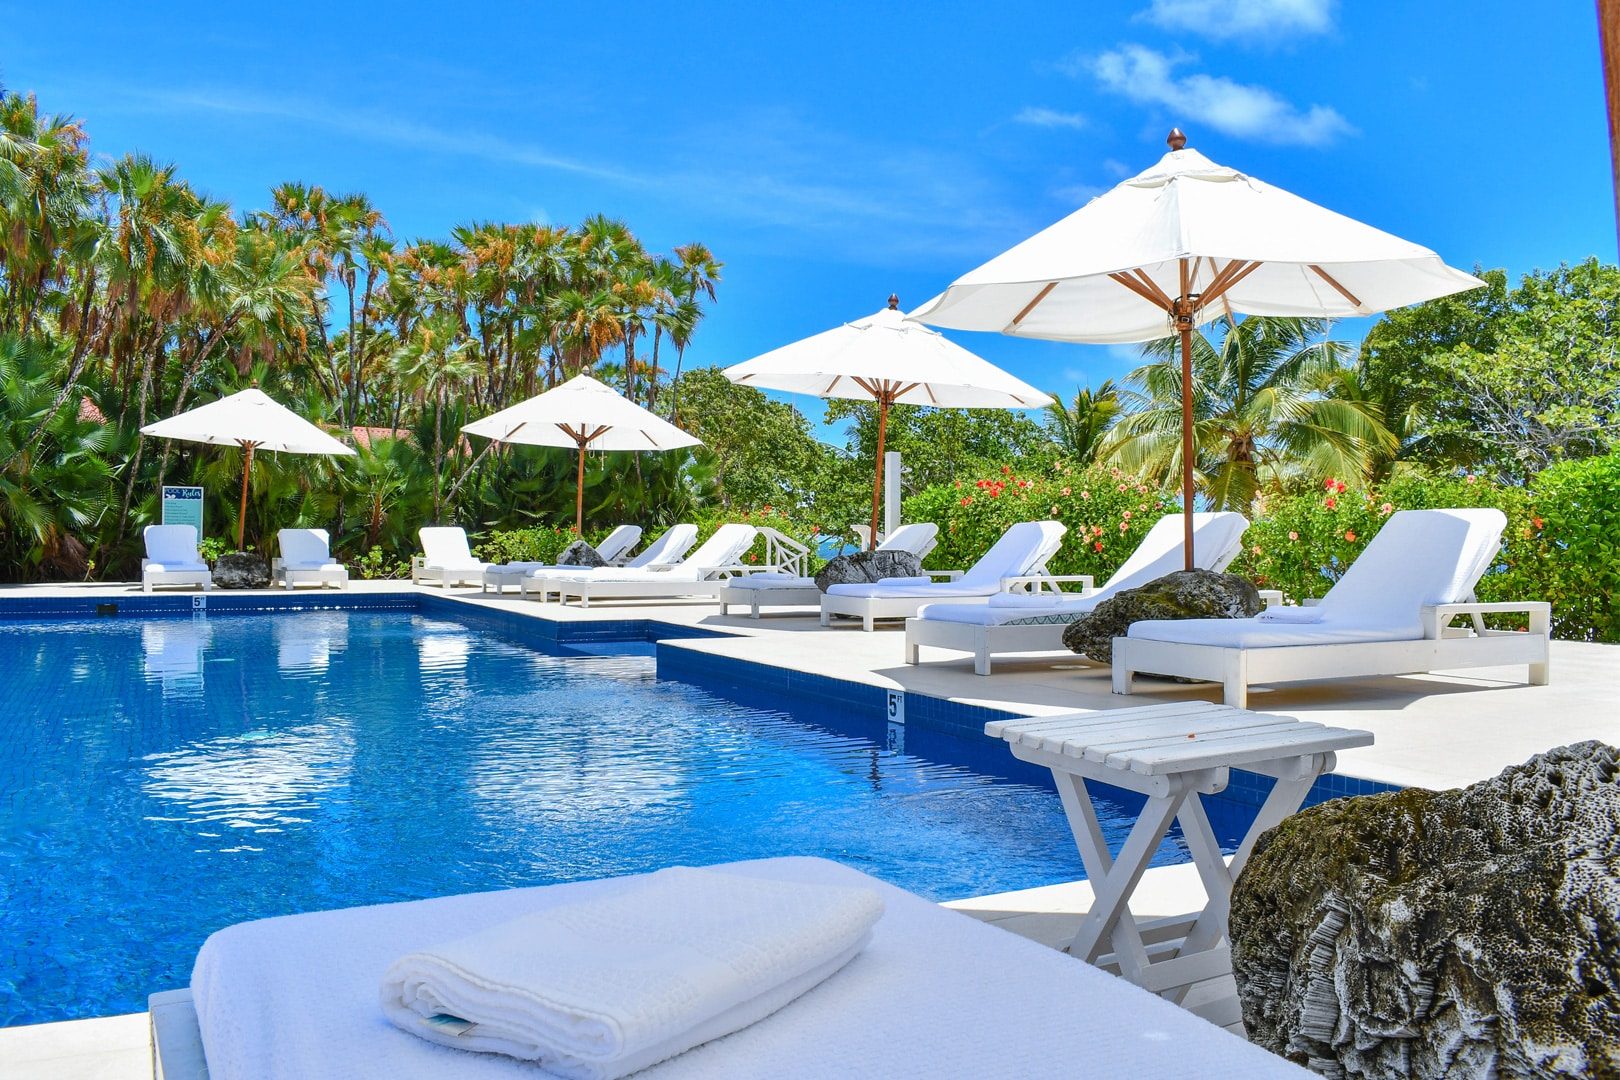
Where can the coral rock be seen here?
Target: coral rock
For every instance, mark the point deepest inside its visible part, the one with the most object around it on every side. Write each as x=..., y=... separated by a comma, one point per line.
x=1473, y=932
x=241, y=570
x=1185, y=594
x=867, y=566
x=579, y=553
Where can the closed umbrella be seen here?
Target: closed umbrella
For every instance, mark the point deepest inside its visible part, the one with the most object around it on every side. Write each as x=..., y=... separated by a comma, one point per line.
x=587, y=415
x=886, y=359
x=252, y=420
x=1180, y=245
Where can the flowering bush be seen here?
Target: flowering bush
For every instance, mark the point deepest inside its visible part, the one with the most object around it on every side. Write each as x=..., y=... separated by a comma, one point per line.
x=1302, y=544
x=530, y=545
x=1568, y=551
x=1107, y=513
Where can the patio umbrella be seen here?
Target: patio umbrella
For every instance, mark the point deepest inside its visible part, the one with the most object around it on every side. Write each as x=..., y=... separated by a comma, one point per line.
x=884, y=358
x=252, y=420
x=586, y=415
x=1182, y=244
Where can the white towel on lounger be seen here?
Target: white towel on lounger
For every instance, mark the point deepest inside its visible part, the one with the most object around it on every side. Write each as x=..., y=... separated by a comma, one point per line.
x=597, y=990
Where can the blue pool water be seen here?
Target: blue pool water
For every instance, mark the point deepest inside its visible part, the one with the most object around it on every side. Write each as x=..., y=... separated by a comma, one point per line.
x=162, y=778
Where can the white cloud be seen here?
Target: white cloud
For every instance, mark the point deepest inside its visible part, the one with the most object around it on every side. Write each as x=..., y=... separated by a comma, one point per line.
x=1252, y=112
x=1038, y=116
x=1077, y=194
x=1266, y=21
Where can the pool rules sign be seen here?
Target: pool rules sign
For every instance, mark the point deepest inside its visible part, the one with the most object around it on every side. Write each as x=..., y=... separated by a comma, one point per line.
x=183, y=506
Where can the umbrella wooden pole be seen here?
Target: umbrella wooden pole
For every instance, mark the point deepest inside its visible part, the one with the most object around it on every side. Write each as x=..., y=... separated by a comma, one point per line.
x=1186, y=447
x=877, y=480
x=241, y=514
x=579, y=493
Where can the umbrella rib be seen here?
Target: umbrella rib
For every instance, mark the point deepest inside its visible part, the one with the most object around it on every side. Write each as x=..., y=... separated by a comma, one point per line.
x=1136, y=287
x=1228, y=278
x=1327, y=277
x=1029, y=307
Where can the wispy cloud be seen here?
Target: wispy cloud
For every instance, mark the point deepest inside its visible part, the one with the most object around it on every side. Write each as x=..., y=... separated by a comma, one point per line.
x=1077, y=194
x=1148, y=77
x=1266, y=22
x=1040, y=116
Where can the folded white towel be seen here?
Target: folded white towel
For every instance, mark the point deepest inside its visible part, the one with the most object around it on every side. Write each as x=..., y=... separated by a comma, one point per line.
x=598, y=990
x=1291, y=614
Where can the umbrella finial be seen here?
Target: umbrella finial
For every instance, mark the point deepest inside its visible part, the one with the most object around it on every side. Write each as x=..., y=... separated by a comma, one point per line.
x=1177, y=139
x=894, y=301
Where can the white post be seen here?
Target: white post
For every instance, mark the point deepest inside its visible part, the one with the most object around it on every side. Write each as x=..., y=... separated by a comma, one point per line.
x=891, y=492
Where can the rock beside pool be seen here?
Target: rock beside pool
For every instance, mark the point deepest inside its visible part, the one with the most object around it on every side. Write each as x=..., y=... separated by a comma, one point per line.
x=241, y=570
x=1185, y=594
x=863, y=567
x=579, y=553
x=1473, y=932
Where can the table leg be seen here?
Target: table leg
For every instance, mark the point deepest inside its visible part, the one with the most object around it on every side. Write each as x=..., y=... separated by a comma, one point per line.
x=1113, y=879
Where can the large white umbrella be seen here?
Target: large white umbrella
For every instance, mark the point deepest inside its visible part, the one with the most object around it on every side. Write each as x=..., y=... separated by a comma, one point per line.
x=886, y=359
x=252, y=420
x=586, y=415
x=1180, y=245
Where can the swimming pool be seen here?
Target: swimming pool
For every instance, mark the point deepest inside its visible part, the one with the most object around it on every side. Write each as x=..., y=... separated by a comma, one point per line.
x=161, y=778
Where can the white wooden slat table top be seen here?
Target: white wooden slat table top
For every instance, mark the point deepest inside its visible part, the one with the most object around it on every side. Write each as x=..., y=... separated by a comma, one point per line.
x=1175, y=738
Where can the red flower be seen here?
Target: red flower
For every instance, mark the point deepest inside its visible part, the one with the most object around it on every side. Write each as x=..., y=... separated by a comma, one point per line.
x=1328, y=485
x=966, y=499
x=1537, y=522
x=1350, y=535
x=1329, y=502
x=1006, y=470
x=1097, y=546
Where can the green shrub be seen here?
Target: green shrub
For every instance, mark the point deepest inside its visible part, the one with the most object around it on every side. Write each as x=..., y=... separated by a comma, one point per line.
x=378, y=564
x=542, y=544
x=1107, y=513
x=1569, y=549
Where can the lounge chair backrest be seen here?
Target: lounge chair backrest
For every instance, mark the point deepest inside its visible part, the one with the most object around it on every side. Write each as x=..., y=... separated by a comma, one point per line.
x=171, y=543
x=619, y=541
x=1419, y=557
x=1021, y=549
x=1216, y=538
x=445, y=545
x=668, y=549
x=919, y=538
x=724, y=548
x=299, y=546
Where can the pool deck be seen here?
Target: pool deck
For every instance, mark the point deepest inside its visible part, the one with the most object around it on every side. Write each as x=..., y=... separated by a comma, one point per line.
x=1438, y=731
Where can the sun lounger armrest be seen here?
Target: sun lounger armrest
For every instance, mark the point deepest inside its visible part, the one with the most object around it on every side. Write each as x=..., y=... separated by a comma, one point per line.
x=1437, y=617
x=946, y=575
x=1036, y=583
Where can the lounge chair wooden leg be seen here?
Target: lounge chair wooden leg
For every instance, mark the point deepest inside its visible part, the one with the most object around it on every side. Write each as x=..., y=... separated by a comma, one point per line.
x=1541, y=673
x=867, y=622
x=1237, y=679
x=1124, y=674
x=913, y=652
x=981, y=661
x=826, y=617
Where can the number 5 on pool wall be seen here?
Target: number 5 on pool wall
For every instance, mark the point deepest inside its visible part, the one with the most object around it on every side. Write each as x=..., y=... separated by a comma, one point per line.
x=897, y=706
x=896, y=741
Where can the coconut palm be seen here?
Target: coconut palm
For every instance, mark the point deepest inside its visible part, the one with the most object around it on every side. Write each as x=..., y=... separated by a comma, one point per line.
x=1079, y=425
x=1262, y=411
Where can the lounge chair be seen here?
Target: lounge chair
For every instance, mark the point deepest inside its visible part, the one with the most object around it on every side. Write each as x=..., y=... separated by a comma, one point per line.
x=666, y=551
x=446, y=559
x=1012, y=622
x=792, y=590
x=935, y=993
x=614, y=550
x=1021, y=552
x=699, y=574
x=306, y=556
x=172, y=558
x=1390, y=614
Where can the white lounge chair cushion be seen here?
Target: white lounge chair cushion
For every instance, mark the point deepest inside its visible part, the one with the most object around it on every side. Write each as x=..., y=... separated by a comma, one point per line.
x=768, y=580
x=175, y=546
x=619, y=541
x=668, y=549
x=1020, y=549
x=1419, y=558
x=174, y=567
x=329, y=564
x=1050, y=611
x=724, y=548
x=445, y=548
x=934, y=994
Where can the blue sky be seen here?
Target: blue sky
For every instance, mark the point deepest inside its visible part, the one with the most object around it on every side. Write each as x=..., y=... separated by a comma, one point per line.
x=834, y=155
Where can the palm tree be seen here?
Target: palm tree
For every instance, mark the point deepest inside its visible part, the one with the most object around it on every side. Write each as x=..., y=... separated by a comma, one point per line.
x=1078, y=426
x=1262, y=411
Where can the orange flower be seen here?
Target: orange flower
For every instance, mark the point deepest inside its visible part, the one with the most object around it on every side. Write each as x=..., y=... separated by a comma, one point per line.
x=1350, y=535
x=1536, y=522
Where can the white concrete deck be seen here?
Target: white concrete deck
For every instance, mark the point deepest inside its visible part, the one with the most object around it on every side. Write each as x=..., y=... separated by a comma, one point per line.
x=1435, y=731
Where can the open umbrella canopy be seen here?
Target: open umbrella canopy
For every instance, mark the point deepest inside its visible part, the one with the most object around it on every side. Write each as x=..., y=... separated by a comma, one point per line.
x=889, y=360
x=582, y=411
x=859, y=359
x=252, y=420
x=587, y=415
x=250, y=417
x=1109, y=272
x=1180, y=245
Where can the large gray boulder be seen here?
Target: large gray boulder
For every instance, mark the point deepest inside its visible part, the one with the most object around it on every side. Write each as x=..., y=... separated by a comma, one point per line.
x=579, y=553
x=241, y=570
x=1473, y=932
x=1185, y=594
x=867, y=566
